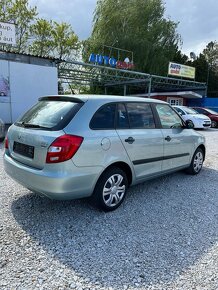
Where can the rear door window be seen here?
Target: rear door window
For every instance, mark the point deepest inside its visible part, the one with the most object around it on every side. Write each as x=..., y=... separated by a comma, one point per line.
x=104, y=118
x=49, y=114
x=140, y=116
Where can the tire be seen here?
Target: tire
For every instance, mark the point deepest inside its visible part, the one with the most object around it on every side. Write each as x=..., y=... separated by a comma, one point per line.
x=192, y=123
x=196, y=163
x=213, y=124
x=110, y=189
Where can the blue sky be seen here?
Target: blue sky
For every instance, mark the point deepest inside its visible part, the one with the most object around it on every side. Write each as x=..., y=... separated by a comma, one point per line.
x=198, y=20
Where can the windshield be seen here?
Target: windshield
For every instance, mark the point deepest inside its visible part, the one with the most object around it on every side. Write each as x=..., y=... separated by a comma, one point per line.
x=212, y=112
x=49, y=115
x=190, y=111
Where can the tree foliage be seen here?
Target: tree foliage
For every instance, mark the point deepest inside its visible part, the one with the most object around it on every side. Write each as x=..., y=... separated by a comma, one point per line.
x=41, y=33
x=19, y=13
x=23, y=16
x=206, y=65
x=138, y=26
x=36, y=35
x=64, y=40
x=5, y=5
x=210, y=54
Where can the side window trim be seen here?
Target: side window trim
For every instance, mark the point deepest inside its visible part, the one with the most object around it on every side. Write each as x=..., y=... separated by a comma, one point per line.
x=156, y=116
x=116, y=116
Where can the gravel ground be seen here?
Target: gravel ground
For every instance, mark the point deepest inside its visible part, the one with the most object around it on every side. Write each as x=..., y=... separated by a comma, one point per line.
x=164, y=236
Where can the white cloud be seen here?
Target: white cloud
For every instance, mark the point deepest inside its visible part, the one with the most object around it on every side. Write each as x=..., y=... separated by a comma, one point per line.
x=77, y=12
x=198, y=21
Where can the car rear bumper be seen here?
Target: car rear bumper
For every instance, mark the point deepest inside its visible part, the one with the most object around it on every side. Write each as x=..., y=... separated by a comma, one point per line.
x=77, y=182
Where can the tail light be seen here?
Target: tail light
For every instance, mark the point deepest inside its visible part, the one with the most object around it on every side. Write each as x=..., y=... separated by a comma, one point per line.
x=63, y=148
x=6, y=142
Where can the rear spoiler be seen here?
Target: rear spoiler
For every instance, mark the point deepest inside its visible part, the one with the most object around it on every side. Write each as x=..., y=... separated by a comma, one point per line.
x=61, y=98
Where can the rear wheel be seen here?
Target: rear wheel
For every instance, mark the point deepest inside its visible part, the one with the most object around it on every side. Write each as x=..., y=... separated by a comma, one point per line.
x=213, y=124
x=110, y=189
x=196, y=163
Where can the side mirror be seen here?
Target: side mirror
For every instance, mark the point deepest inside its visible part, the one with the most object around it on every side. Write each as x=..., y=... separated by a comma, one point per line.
x=189, y=124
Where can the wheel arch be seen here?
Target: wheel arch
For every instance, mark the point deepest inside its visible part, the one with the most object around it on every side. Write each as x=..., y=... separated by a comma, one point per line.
x=189, y=120
x=125, y=167
x=202, y=147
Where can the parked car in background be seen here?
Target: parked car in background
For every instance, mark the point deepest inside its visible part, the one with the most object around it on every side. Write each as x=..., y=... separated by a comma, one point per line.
x=199, y=121
x=68, y=147
x=210, y=113
x=2, y=130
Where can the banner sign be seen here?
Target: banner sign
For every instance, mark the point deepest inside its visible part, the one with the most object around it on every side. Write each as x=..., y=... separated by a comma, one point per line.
x=110, y=61
x=7, y=33
x=181, y=70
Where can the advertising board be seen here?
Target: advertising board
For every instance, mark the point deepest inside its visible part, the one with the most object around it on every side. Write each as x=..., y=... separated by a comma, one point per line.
x=181, y=70
x=111, y=61
x=7, y=33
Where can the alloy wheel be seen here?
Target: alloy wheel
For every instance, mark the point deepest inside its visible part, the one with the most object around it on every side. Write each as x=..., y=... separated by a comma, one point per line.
x=198, y=161
x=114, y=190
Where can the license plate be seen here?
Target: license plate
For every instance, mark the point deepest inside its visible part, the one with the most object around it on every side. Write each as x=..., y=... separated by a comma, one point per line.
x=23, y=149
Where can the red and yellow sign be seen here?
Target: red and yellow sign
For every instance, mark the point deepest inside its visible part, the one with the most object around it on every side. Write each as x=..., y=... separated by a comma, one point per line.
x=181, y=70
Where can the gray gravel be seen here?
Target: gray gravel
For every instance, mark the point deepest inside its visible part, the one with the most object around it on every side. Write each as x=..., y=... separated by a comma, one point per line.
x=164, y=236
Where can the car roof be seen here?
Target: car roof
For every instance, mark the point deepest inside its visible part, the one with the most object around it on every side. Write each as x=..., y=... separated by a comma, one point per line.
x=106, y=98
x=199, y=108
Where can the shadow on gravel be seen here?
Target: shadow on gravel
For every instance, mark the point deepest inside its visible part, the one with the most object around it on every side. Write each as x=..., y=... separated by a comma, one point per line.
x=163, y=228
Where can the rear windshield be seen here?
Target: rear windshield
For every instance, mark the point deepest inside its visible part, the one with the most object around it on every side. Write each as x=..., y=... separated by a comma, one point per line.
x=49, y=114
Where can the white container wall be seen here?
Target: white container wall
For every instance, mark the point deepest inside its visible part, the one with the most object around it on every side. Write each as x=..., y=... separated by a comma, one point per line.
x=21, y=85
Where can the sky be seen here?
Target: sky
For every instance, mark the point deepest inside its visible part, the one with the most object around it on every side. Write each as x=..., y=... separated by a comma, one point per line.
x=198, y=19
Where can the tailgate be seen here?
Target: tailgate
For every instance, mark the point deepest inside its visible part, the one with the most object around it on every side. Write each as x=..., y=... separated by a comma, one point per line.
x=29, y=146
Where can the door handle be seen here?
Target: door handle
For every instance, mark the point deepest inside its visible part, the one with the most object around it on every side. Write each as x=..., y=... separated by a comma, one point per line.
x=168, y=138
x=130, y=140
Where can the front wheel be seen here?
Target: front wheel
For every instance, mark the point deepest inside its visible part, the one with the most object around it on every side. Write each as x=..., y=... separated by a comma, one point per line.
x=213, y=124
x=110, y=189
x=196, y=163
x=192, y=125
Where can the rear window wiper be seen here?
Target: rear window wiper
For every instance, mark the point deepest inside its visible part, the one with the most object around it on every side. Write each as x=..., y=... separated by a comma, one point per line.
x=29, y=125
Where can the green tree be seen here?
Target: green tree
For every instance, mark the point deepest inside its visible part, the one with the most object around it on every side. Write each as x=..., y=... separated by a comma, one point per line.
x=206, y=71
x=65, y=41
x=4, y=8
x=23, y=16
x=41, y=31
x=179, y=57
x=210, y=54
x=138, y=26
x=5, y=17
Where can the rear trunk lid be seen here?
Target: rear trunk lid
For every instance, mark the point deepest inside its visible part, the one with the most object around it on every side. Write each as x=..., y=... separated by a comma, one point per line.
x=30, y=137
x=30, y=146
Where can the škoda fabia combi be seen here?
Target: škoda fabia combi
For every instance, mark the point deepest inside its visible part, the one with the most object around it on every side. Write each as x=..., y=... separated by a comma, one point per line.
x=68, y=147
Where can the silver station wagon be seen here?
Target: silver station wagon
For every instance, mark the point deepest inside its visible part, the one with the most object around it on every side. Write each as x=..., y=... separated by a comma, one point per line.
x=68, y=147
